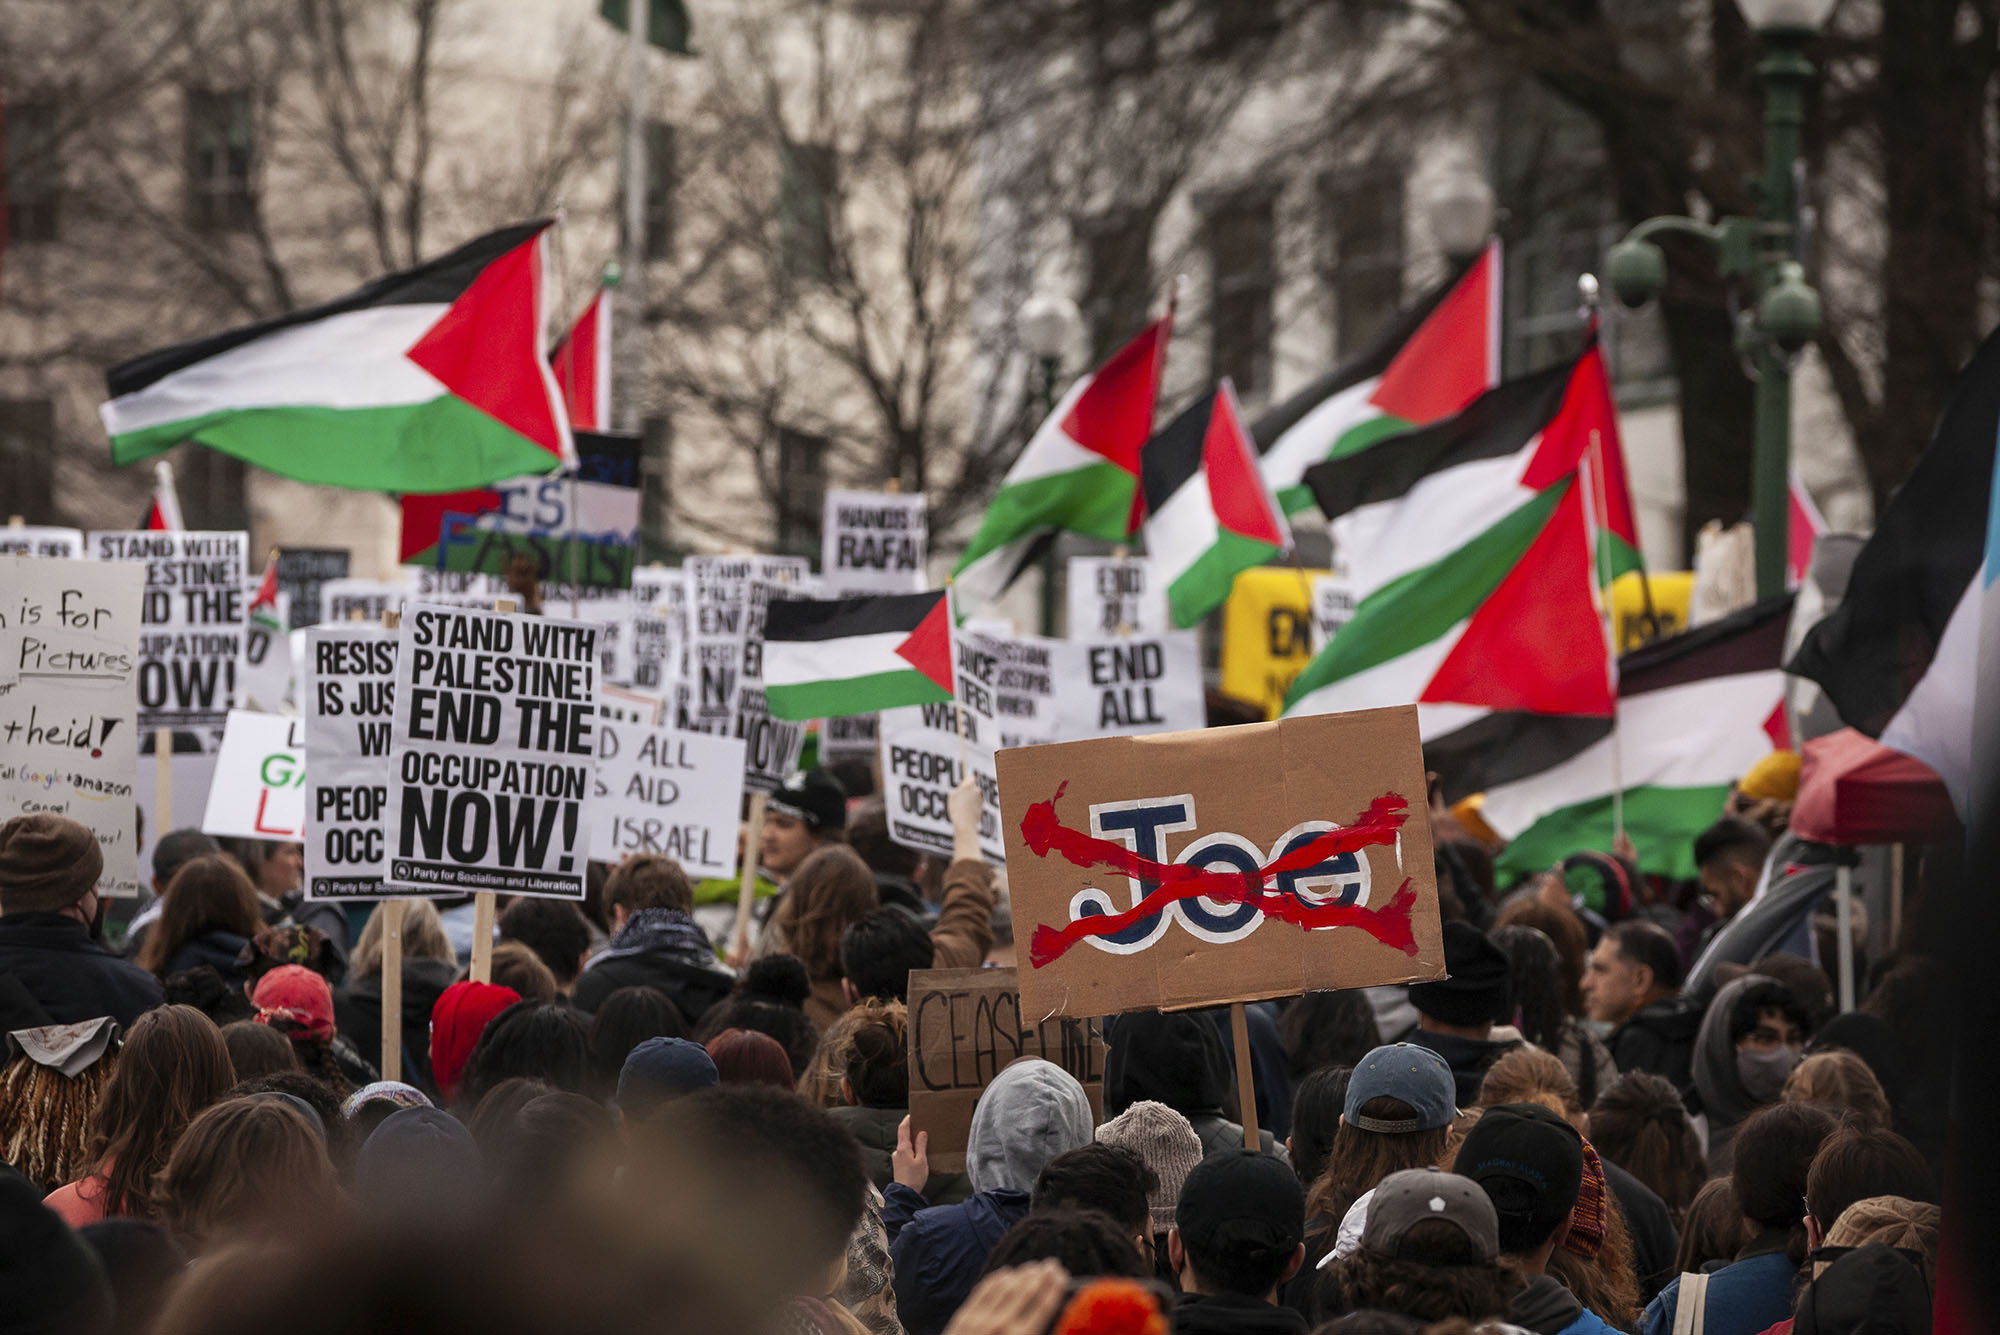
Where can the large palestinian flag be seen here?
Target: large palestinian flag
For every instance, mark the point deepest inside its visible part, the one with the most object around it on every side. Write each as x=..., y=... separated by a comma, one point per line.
x=831, y=657
x=1899, y=657
x=1208, y=513
x=428, y=380
x=1079, y=473
x=1476, y=548
x=1441, y=355
x=1695, y=712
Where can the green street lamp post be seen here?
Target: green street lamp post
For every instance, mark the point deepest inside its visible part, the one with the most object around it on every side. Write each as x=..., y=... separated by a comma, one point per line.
x=1763, y=254
x=1048, y=324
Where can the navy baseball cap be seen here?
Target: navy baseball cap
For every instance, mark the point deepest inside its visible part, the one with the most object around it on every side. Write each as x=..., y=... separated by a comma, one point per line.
x=662, y=1069
x=1417, y=1076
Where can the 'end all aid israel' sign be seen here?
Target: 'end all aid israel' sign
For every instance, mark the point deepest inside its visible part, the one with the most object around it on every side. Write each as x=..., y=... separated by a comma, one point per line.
x=1229, y=864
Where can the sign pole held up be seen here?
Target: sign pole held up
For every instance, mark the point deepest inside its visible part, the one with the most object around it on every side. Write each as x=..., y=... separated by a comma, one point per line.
x=163, y=781
x=482, y=900
x=1246, y=1085
x=392, y=956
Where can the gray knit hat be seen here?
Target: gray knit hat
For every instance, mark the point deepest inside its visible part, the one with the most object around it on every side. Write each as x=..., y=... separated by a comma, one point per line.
x=1166, y=1141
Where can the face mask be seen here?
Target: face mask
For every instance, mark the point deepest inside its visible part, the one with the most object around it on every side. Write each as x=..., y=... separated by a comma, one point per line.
x=1602, y=1028
x=1763, y=1073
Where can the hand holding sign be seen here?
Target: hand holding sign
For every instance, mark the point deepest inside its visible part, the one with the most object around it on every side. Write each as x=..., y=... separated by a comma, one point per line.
x=910, y=1161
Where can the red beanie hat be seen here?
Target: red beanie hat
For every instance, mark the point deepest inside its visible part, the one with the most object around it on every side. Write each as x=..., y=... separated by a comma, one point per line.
x=461, y=1015
x=295, y=994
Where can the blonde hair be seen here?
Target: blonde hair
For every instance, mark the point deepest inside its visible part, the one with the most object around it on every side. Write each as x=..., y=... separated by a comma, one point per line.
x=46, y=1118
x=1530, y=1075
x=423, y=939
x=1841, y=1083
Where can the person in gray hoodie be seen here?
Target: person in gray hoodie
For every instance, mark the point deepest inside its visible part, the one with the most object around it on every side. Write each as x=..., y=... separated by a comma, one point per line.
x=1033, y=1111
x=1752, y=1036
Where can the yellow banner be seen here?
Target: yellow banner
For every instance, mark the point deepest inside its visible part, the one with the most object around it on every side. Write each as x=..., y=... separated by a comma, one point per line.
x=1630, y=624
x=1266, y=634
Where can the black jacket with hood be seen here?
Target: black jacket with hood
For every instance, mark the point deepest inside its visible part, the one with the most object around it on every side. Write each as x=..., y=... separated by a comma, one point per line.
x=71, y=977
x=1177, y=1060
x=1659, y=1039
x=1233, y=1314
x=1468, y=1058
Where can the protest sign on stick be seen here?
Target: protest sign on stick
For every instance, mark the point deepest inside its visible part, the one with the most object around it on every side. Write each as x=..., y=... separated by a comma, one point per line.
x=1333, y=606
x=873, y=542
x=1115, y=595
x=1235, y=864
x=1137, y=684
x=303, y=574
x=492, y=753
x=661, y=790
x=965, y=1027
x=69, y=654
x=193, y=611
x=259, y=789
x=30, y=540
x=349, y=684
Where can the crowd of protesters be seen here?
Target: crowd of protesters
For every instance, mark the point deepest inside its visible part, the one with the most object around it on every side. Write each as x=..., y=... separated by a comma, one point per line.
x=622, y=1132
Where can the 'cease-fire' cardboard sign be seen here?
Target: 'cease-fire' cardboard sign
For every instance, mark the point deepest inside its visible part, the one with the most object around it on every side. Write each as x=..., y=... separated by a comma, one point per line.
x=965, y=1027
x=1231, y=864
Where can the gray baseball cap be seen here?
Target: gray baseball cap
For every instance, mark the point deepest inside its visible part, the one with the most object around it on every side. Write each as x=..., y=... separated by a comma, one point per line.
x=1417, y=1076
x=1406, y=1199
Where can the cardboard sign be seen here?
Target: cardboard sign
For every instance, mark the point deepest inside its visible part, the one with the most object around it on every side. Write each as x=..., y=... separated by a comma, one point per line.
x=304, y=573
x=1333, y=605
x=1234, y=864
x=873, y=542
x=968, y=1025
x=1266, y=635
x=28, y=540
x=1137, y=684
x=193, y=609
x=259, y=788
x=660, y=790
x=1111, y=595
x=492, y=752
x=69, y=659
x=347, y=690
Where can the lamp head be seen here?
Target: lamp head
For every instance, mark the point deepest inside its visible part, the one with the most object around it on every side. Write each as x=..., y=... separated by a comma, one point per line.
x=1047, y=322
x=1788, y=16
x=1460, y=209
x=1637, y=270
x=1789, y=310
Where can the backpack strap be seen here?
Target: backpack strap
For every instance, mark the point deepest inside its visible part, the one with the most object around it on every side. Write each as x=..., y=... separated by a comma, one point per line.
x=1690, y=1308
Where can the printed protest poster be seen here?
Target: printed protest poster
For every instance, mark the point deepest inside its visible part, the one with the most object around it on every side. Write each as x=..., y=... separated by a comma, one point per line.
x=660, y=790
x=1232, y=864
x=344, y=600
x=28, y=540
x=1137, y=684
x=303, y=574
x=720, y=634
x=1022, y=685
x=493, y=752
x=851, y=737
x=259, y=788
x=658, y=629
x=1114, y=595
x=264, y=677
x=1266, y=635
x=193, y=610
x=921, y=758
x=1333, y=605
x=346, y=694
x=873, y=542
x=968, y=1025
x=69, y=661
x=772, y=745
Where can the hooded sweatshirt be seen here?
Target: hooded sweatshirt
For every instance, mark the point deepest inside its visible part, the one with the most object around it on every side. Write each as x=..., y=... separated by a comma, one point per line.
x=1177, y=1060
x=1723, y=1100
x=1033, y=1111
x=1546, y=1307
x=1659, y=1039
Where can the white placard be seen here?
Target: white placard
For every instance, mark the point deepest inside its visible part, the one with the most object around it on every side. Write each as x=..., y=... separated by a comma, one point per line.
x=264, y=678
x=1139, y=684
x=850, y=737
x=28, y=540
x=873, y=542
x=361, y=600
x=661, y=790
x=346, y=692
x=69, y=740
x=259, y=788
x=303, y=574
x=1333, y=604
x=1110, y=595
x=1023, y=684
x=492, y=753
x=193, y=610
x=921, y=753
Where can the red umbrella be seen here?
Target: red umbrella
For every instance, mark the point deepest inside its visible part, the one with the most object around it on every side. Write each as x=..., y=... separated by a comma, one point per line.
x=1854, y=790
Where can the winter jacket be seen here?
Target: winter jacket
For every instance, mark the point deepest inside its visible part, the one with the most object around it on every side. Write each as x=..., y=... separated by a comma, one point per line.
x=875, y=1130
x=940, y=1250
x=1744, y=1298
x=1468, y=1058
x=1659, y=1039
x=71, y=976
x=1544, y=1306
x=1724, y=1102
x=217, y=949
x=1177, y=1060
x=1655, y=1240
x=1233, y=1314
x=963, y=935
x=659, y=948
x=357, y=1011
x=1219, y=1134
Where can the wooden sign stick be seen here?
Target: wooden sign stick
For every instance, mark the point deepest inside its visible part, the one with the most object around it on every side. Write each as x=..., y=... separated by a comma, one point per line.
x=1246, y=1084
x=163, y=782
x=392, y=955
x=482, y=900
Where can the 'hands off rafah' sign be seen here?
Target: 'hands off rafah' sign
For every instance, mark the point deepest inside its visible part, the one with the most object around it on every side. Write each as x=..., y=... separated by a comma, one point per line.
x=1193, y=868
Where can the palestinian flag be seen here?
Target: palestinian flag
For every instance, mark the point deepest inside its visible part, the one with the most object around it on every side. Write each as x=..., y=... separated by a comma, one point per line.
x=1441, y=355
x=829, y=657
x=163, y=513
x=428, y=380
x=1080, y=472
x=1804, y=525
x=582, y=362
x=1477, y=548
x=1695, y=712
x=1208, y=513
x=1899, y=657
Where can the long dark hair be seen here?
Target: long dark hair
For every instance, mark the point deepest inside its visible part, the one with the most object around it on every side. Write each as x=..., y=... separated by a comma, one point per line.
x=173, y=1065
x=1327, y=1029
x=208, y=894
x=542, y=1040
x=1359, y=1159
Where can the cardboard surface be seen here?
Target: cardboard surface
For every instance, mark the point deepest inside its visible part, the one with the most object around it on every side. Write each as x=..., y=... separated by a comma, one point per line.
x=1295, y=855
x=966, y=1026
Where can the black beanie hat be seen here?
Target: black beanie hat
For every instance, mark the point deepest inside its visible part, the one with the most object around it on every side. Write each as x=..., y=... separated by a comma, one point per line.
x=1872, y=1288
x=1477, y=990
x=51, y=1283
x=1175, y=1059
x=813, y=797
x=1243, y=1206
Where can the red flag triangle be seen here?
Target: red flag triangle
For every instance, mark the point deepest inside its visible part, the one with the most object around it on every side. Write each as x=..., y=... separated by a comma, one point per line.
x=928, y=649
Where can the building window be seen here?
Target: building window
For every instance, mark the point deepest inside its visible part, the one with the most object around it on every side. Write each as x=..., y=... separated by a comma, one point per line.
x=1364, y=218
x=805, y=209
x=221, y=140
x=656, y=476
x=27, y=458
x=801, y=491
x=34, y=172
x=1240, y=237
x=662, y=176
x=1118, y=284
